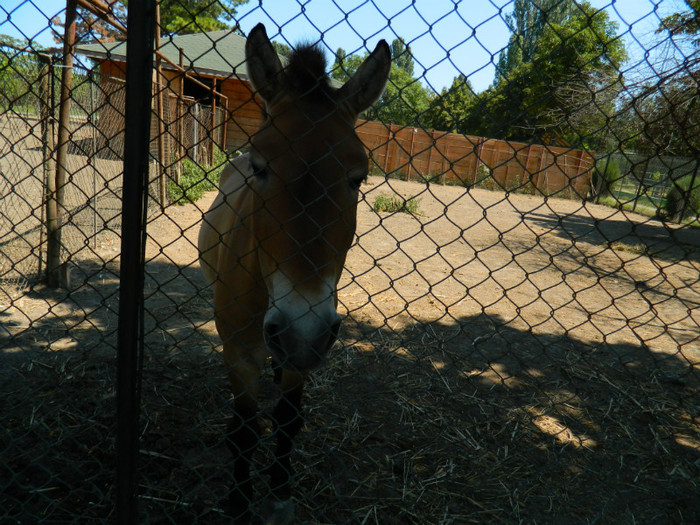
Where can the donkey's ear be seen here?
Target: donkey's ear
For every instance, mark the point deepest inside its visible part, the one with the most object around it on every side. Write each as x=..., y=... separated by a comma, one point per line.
x=368, y=83
x=264, y=67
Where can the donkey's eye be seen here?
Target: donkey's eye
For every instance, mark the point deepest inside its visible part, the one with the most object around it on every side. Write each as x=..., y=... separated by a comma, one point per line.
x=259, y=171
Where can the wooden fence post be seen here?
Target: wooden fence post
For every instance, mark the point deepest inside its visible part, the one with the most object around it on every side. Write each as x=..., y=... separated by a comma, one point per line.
x=479, y=151
x=430, y=155
x=56, y=185
x=386, y=149
x=46, y=101
x=414, y=131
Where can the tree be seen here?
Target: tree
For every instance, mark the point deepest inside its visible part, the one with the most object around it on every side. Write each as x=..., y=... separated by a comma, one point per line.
x=580, y=55
x=684, y=23
x=177, y=17
x=449, y=110
x=664, y=112
x=345, y=65
x=20, y=72
x=401, y=55
x=91, y=28
x=404, y=101
x=527, y=23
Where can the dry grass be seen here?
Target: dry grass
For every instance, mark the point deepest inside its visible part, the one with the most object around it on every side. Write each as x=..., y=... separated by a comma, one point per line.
x=464, y=416
x=428, y=423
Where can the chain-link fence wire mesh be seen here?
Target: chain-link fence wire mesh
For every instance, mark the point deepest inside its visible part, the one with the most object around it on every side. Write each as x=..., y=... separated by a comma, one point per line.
x=507, y=353
x=92, y=199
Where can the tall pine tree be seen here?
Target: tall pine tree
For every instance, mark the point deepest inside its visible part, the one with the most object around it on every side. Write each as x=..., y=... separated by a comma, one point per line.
x=527, y=23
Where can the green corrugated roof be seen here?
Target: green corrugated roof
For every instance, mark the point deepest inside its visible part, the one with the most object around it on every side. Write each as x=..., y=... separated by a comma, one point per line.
x=216, y=53
x=219, y=53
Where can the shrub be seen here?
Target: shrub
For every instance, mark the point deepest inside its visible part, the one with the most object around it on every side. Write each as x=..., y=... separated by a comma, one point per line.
x=395, y=203
x=606, y=176
x=683, y=201
x=196, y=179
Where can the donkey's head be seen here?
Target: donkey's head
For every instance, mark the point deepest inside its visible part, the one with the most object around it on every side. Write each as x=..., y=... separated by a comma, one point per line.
x=307, y=165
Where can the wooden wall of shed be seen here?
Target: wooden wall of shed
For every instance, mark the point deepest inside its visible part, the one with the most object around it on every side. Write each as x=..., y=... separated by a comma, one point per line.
x=110, y=121
x=244, y=109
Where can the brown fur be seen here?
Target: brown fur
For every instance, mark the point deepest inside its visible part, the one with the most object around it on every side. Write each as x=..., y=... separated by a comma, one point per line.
x=274, y=241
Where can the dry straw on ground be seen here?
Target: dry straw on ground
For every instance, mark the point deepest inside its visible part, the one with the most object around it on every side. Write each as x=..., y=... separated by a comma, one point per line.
x=499, y=363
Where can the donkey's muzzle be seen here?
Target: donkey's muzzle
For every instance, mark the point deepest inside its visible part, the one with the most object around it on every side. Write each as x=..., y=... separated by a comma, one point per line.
x=300, y=344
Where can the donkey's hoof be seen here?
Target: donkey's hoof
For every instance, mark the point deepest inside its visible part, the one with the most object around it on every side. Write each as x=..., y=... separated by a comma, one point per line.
x=277, y=512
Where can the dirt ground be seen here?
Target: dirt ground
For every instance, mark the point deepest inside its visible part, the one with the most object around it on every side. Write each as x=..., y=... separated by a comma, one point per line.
x=504, y=358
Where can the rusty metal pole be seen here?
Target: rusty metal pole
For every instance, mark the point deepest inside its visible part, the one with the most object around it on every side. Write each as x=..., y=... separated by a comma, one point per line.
x=56, y=184
x=180, y=117
x=224, y=124
x=212, y=137
x=160, y=83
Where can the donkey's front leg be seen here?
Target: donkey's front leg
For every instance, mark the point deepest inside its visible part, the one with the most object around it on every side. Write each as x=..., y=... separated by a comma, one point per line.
x=242, y=439
x=288, y=420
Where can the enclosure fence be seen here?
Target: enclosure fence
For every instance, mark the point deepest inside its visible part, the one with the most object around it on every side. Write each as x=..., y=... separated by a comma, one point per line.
x=521, y=303
x=451, y=158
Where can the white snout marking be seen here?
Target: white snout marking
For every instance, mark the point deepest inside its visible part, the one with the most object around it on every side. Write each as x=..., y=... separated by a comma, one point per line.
x=303, y=310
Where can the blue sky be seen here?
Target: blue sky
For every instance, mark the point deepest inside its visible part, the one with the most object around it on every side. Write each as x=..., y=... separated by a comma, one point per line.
x=446, y=37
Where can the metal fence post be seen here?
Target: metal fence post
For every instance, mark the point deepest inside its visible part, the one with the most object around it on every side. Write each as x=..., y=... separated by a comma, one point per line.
x=140, y=35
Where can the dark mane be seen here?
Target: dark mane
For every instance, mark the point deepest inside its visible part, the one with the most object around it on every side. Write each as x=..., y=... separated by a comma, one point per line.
x=305, y=73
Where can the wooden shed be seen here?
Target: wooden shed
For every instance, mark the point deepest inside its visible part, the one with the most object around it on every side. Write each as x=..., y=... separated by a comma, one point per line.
x=203, y=79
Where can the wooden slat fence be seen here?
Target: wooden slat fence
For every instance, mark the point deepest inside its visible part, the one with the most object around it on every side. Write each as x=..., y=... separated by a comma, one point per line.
x=451, y=158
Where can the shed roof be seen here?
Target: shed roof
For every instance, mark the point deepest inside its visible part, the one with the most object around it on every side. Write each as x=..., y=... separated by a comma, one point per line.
x=216, y=53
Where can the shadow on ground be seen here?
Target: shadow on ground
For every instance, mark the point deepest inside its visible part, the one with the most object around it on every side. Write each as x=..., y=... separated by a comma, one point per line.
x=464, y=420
x=662, y=240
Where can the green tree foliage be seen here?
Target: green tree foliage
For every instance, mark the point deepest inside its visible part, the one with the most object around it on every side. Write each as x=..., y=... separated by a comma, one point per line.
x=91, y=28
x=401, y=55
x=177, y=17
x=664, y=117
x=662, y=114
x=20, y=72
x=683, y=201
x=449, y=110
x=345, y=65
x=180, y=17
x=685, y=22
x=404, y=101
x=553, y=96
x=527, y=23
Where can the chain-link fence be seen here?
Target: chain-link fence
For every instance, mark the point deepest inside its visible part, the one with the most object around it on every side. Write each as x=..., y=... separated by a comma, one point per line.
x=92, y=197
x=521, y=304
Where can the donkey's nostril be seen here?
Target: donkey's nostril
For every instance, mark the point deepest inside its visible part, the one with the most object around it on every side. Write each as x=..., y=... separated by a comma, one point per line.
x=273, y=328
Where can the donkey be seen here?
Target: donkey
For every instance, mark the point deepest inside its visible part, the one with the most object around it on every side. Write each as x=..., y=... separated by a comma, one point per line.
x=274, y=242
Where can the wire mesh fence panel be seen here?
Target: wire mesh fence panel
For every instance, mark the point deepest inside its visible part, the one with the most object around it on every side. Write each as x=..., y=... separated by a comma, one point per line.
x=520, y=299
x=23, y=161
